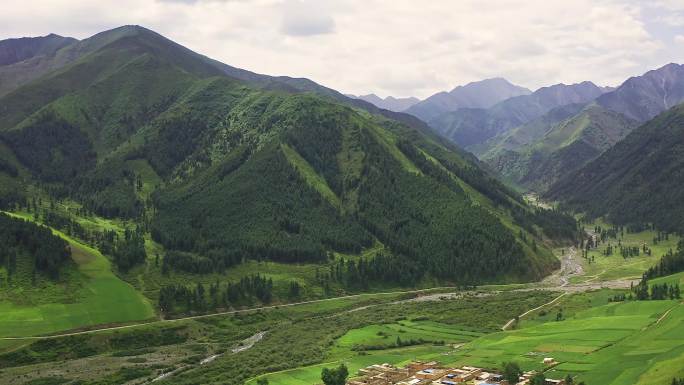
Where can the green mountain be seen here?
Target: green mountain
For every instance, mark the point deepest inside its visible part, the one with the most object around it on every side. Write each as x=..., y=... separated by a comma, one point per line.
x=564, y=147
x=223, y=170
x=637, y=181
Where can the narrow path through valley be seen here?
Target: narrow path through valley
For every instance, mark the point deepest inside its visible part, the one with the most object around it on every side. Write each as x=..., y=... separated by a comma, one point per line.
x=512, y=321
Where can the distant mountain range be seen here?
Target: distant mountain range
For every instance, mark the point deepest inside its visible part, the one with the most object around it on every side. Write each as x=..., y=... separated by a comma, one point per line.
x=537, y=152
x=25, y=48
x=480, y=94
x=565, y=146
x=389, y=103
x=27, y=58
x=534, y=138
x=470, y=127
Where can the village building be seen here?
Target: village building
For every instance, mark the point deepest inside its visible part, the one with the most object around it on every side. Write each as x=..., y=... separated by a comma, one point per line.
x=432, y=373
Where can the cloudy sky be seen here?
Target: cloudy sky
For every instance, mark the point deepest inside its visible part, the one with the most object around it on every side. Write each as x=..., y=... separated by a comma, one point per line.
x=392, y=47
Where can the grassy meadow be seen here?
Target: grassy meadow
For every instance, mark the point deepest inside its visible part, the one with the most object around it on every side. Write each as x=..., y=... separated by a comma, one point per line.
x=91, y=295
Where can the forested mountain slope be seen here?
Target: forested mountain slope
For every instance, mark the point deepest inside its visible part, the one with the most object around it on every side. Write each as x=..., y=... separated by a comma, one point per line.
x=29, y=250
x=241, y=173
x=638, y=180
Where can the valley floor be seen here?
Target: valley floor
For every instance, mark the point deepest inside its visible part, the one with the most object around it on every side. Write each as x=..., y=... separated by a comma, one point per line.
x=567, y=316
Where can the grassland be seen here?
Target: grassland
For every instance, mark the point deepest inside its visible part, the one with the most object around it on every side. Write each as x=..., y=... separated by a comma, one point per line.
x=100, y=298
x=613, y=344
x=596, y=341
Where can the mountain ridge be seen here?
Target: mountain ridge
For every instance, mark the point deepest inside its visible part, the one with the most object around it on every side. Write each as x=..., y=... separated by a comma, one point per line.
x=472, y=127
x=565, y=147
x=388, y=103
x=643, y=97
x=479, y=94
x=522, y=154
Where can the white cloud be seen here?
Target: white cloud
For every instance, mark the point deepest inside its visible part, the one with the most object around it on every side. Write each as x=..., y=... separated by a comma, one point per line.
x=306, y=18
x=395, y=47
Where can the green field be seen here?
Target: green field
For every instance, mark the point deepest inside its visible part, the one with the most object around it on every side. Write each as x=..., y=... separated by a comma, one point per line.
x=613, y=344
x=101, y=298
x=387, y=334
x=299, y=340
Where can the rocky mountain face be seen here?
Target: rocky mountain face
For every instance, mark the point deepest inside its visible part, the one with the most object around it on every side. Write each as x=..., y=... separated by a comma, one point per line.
x=643, y=97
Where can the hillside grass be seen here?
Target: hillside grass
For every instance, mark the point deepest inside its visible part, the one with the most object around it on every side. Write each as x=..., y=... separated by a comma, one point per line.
x=101, y=298
x=387, y=334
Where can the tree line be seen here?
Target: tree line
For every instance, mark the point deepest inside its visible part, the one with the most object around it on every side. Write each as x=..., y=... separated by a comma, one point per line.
x=126, y=251
x=644, y=292
x=362, y=273
x=670, y=263
x=255, y=288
